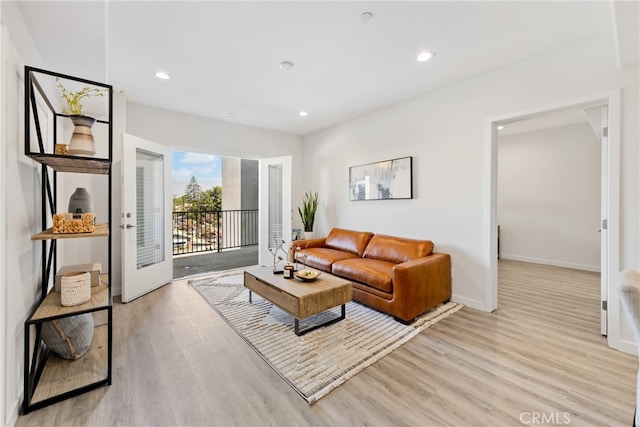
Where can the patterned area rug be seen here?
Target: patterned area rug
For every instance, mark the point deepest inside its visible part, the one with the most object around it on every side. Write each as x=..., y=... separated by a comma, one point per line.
x=320, y=361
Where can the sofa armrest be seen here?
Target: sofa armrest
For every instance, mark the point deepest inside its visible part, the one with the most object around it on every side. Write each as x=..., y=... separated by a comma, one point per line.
x=304, y=244
x=420, y=283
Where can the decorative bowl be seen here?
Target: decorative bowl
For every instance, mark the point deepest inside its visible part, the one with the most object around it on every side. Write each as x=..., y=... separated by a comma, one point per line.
x=306, y=275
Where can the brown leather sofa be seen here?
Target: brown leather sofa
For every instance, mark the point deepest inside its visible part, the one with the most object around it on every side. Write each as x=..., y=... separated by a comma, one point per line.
x=399, y=276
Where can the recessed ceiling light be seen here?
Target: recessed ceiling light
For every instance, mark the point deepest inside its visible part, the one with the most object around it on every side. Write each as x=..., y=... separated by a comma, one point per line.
x=286, y=65
x=303, y=113
x=366, y=16
x=500, y=127
x=425, y=55
x=162, y=75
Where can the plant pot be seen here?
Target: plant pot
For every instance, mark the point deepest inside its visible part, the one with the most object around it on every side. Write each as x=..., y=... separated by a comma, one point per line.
x=308, y=235
x=82, y=142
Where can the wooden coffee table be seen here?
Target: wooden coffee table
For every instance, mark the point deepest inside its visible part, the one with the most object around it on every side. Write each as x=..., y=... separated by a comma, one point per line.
x=300, y=299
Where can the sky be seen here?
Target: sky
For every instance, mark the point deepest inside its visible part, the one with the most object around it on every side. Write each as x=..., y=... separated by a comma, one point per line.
x=207, y=168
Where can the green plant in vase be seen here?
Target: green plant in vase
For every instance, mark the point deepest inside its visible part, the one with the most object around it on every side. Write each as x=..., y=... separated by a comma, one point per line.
x=74, y=106
x=82, y=142
x=308, y=211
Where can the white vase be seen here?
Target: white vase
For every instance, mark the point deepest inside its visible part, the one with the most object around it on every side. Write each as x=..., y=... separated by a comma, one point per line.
x=308, y=235
x=82, y=142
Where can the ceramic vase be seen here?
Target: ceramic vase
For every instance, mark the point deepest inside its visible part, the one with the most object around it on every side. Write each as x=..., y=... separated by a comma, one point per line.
x=308, y=235
x=82, y=142
x=80, y=199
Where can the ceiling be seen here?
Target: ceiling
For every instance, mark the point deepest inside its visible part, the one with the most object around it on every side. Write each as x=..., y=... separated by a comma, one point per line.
x=224, y=57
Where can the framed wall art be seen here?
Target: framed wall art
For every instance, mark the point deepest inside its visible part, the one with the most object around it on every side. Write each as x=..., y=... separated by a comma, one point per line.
x=389, y=179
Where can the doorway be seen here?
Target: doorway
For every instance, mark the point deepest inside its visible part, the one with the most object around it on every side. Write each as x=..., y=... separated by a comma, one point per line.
x=549, y=207
x=610, y=202
x=214, y=214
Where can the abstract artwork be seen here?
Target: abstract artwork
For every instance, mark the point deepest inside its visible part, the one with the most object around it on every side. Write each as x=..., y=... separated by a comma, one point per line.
x=389, y=179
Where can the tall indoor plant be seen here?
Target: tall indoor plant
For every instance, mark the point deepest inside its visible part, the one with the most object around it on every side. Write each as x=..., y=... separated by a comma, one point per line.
x=308, y=212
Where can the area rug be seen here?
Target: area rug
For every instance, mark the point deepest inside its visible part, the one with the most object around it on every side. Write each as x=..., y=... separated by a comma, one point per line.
x=318, y=362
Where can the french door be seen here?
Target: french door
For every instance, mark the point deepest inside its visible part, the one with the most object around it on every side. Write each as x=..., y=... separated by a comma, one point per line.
x=275, y=207
x=147, y=249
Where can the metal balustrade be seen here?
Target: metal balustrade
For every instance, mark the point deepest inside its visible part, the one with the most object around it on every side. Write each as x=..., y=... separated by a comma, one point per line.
x=209, y=230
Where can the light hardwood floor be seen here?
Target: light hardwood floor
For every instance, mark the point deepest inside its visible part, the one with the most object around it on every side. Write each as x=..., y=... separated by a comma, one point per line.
x=177, y=363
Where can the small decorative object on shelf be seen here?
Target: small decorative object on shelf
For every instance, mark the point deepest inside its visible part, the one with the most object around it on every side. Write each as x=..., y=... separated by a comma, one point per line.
x=75, y=288
x=62, y=150
x=82, y=142
x=74, y=223
x=93, y=268
x=277, y=258
x=80, y=201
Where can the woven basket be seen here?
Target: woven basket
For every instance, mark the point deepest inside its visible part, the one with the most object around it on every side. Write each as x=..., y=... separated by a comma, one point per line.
x=74, y=223
x=75, y=288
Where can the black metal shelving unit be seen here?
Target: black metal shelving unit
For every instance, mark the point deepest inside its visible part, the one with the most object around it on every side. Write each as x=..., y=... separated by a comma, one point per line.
x=48, y=378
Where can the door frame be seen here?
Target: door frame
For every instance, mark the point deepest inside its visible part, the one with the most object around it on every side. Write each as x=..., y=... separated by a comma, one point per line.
x=3, y=271
x=611, y=203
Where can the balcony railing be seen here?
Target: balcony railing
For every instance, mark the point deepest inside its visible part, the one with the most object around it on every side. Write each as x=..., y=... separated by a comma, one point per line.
x=207, y=231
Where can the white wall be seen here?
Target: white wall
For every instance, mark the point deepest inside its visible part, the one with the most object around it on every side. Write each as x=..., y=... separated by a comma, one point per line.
x=96, y=250
x=549, y=196
x=445, y=132
x=192, y=133
x=21, y=209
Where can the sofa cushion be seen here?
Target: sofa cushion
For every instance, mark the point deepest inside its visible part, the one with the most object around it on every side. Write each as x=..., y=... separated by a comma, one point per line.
x=397, y=249
x=372, y=272
x=347, y=240
x=322, y=258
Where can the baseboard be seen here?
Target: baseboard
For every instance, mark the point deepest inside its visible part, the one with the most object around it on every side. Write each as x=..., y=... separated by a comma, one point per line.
x=575, y=266
x=625, y=347
x=13, y=418
x=478, y=305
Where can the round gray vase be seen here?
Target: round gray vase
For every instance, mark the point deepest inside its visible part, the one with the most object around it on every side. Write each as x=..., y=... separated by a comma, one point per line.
x=80, y=199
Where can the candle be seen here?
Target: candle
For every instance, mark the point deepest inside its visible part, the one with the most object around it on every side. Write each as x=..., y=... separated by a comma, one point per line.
x=288, y=271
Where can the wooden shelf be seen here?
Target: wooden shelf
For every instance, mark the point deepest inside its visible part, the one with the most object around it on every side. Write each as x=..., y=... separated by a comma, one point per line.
x=102, y=230
x=52, y=308
x=47, y=377
x=74, y=164
x=62, y=376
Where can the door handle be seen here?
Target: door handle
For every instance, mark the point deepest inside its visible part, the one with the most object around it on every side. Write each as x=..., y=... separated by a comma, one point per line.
x=127, y=226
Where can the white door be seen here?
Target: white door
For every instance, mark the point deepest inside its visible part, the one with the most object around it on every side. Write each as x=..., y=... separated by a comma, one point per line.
x=604, y=233
x=275, y=208
x=147, y=261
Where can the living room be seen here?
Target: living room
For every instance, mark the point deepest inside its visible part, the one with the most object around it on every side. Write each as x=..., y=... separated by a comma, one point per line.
x=447, y=130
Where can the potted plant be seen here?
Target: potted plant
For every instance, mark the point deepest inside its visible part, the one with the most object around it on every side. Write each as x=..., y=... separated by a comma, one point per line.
x=308, y=212
x=82, y=142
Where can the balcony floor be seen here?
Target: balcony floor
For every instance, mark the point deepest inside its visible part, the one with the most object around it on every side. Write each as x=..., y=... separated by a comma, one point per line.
x=210, y=262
